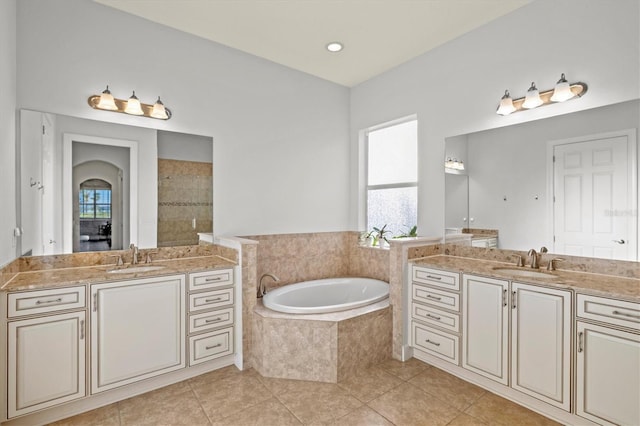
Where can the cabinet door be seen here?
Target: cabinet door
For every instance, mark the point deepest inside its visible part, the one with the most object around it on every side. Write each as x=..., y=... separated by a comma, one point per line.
x=608, y=375
x=485, y=327
x=137, y=330
x=541, y=343
x=46, y=362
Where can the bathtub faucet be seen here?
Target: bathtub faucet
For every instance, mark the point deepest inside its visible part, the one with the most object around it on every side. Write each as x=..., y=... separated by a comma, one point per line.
x=262, y=289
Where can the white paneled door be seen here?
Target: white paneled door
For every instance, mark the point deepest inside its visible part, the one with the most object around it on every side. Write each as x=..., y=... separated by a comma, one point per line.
x=595, y=193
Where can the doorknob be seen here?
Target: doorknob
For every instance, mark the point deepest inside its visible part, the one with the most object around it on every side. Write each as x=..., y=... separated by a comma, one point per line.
x=620, y=241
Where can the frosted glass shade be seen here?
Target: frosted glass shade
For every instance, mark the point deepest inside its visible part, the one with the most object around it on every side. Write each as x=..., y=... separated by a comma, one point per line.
x=532, y=99
x=133, y=106
x=159, y=110
x=562, y=92
x=106, y=101
x=506, y=105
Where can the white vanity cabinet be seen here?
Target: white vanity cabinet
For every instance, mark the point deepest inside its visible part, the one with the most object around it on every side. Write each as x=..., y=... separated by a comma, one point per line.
x=45, y=353
x=608, y=360
x=211, y=315
x=538, y=342
x=435, y=313
x=137, y=330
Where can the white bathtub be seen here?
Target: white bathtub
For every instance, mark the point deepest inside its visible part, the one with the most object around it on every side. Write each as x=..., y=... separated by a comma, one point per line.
x=326, y=295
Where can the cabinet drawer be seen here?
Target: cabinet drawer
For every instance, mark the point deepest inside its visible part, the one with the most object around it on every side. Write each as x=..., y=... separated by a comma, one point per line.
x=435, y=297
x=434, y=277
x=432, y=316
x=210, y=279
x=437, y=343
x=610, y=311
x=210, y=320
x=210, y=299
x=36, y=302
x=205, y=347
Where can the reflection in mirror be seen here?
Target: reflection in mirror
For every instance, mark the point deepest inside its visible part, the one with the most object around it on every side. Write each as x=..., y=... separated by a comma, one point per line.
x=513, y=179
x=90, y=185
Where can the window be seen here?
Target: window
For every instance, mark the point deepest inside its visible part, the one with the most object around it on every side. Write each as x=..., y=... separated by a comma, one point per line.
x=95, y=203
x=392, y=177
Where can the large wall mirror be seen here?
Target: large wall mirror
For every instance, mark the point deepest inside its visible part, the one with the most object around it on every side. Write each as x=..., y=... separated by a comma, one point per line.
x=568, y=183
x=87, y=185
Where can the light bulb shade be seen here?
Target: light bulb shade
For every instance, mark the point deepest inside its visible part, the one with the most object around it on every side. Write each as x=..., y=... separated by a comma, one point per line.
x=532, y=99
x=106, y=101
x=159, y=110
x=506, y=105
x=133, y=105
x=562, y=92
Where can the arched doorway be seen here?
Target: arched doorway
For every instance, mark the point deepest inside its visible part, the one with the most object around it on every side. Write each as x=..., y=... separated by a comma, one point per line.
x=97, y=207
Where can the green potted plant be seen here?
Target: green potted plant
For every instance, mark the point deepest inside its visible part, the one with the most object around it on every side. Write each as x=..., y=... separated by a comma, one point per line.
x=413, y=232
x=379, y=236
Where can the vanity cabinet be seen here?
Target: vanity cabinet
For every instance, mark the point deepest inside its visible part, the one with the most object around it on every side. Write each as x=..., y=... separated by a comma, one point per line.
x=538, y=340
x=435, y=313
x=45, y=348
x=211, y=315
x=137, y=330
x=608, y=360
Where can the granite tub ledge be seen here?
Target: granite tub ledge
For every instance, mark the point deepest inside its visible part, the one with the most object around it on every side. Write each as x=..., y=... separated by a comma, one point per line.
x=583, y=282
x=63, y=277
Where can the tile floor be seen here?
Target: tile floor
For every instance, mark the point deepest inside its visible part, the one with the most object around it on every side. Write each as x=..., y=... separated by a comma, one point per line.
x=392, y=393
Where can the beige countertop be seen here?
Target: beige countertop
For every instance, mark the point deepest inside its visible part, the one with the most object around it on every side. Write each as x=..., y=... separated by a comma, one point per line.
x=596, y=284
x=62, y=277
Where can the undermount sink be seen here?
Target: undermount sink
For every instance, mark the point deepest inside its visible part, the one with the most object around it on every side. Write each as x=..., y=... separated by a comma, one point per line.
x=135, y=269
x=521, y=272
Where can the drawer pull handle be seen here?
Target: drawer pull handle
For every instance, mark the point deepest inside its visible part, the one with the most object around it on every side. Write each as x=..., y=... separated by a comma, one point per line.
x=213, y=320
x=504, y=297
x=213, y=346
x=434, y=278
x=624, y=314
x=217, y=299
x=213, y=279
x=580, y=341
x=434, y=297
x=44, y=302
x=433, y=316
x=432, y=343
x=514, y=299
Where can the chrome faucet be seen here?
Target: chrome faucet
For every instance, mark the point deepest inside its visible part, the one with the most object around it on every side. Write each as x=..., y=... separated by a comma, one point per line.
x=262, y=289
x=134, y=254
x=534, y=259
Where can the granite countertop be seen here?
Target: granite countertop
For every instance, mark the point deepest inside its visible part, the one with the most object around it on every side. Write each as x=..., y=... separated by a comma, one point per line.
x=62, y=277
x=583, y=282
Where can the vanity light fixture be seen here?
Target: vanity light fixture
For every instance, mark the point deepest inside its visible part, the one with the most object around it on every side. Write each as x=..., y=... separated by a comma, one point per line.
x=453, y=164
x=563, y=91
x=133, y=106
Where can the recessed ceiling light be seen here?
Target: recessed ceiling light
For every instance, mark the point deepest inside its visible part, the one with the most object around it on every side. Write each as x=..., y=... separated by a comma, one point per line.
x=334, y=46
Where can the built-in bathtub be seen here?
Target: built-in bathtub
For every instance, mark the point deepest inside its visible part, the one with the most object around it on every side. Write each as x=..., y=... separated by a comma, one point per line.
x=326, y=295
x=322, y=346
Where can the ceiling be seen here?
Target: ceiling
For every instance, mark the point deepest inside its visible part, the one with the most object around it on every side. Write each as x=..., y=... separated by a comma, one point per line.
x=377, y=34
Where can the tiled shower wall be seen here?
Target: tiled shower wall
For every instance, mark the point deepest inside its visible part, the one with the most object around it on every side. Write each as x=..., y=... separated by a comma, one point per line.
x=185, y=193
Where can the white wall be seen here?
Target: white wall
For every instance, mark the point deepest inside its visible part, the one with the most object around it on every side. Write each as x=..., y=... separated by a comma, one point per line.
x=7, y=129
x=185, y=147
x=281, y=139
x=455, y=89
x=512, y=162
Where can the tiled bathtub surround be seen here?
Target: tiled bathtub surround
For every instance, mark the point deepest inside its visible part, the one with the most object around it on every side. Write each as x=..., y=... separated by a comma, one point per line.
x=323, y=347
x=185, y=193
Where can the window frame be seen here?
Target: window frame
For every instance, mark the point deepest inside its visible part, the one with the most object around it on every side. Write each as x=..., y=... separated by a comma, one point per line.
x=398, y=185
x=95, y=204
